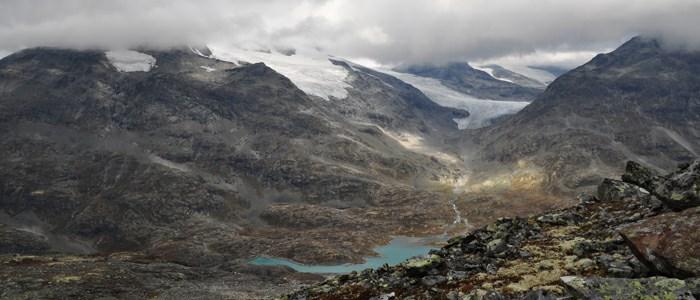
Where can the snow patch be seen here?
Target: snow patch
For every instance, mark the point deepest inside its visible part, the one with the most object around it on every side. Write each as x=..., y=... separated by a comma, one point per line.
x=167, y=163
x=491, y=73
x=313, y=73
x=131, y=61
x=196, y=51
x=208, y=69
x=482, y=111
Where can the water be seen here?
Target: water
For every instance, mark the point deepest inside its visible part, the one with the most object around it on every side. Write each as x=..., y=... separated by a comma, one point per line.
x=398, y=250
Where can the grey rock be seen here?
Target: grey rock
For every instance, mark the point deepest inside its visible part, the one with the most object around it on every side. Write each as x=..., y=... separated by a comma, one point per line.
x=432, y=280
x=597, y=288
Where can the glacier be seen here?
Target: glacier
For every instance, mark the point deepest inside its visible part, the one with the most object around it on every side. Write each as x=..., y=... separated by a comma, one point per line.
x=313, y=73
x=130, y=61
x=482, y=111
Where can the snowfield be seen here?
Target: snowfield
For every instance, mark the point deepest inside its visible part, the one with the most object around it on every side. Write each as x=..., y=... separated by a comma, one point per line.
x=313, y=73
x=131, y=61
x=481, y=111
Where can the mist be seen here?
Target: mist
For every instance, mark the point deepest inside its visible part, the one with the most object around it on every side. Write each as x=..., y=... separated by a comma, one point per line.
x=387, y=32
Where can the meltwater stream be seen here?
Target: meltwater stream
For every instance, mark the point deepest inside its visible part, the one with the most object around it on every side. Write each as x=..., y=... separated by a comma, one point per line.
x=398, y=250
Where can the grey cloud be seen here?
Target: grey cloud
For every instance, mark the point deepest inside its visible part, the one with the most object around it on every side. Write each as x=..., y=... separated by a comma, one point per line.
x=388, y=31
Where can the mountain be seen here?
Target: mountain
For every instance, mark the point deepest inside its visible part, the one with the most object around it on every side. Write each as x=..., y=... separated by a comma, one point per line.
x=629, y=241
x=184, y=158
x=464, y=78
x=554, y=70
x=638, y=102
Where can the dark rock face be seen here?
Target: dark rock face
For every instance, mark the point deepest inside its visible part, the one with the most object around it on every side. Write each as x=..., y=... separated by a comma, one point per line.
x=668, y=242
x=610, y=247
x=18, y=241
x=638, y=102
x=462, y=77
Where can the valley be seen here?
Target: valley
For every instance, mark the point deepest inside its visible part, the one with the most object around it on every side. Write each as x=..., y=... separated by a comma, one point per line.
x=239, y=174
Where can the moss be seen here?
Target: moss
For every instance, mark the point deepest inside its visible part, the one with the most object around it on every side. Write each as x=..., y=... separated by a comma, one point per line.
x=419, y=263
x=676, y=197
x=569, y=245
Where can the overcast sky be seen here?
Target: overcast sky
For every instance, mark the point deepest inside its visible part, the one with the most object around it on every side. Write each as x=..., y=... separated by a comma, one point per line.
x=385, y=31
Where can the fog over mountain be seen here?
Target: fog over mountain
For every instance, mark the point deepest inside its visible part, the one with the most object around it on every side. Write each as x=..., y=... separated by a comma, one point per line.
x=388, y=32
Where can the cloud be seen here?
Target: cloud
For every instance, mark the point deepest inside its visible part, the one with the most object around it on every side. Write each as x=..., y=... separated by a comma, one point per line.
x=387, y=31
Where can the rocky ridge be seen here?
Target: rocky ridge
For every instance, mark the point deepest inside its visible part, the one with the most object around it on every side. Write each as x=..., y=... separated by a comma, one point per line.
x=639, y=102
x=632, y=240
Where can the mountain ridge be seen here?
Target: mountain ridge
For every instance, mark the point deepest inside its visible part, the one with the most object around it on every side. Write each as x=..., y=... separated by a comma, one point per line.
x=621, y=105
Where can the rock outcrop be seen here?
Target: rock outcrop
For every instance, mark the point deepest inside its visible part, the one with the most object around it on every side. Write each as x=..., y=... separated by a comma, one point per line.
x=678, y=190
x=668, y=243
x=623, y=244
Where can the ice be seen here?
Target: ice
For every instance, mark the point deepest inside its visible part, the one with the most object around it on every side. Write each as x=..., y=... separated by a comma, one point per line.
x=313, y=73
x=482, y=111
x=131, y=61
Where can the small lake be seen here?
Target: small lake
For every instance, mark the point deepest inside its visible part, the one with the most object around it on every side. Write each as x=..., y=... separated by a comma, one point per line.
x=398, y=250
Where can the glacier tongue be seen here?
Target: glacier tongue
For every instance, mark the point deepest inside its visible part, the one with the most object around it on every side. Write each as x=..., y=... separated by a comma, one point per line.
x=313, y=73
x=481, y=111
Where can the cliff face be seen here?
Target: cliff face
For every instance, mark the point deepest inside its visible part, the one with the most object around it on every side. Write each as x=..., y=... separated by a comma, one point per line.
x=633, y=240
x=639, y=102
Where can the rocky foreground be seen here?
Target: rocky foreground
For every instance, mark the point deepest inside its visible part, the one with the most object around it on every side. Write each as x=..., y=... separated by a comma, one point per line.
x=636, y=239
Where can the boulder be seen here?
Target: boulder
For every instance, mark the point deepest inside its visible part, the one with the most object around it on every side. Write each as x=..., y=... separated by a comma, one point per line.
x=667, y=243
x=433, y=280
x=682, y=188
x=597, y=288
x=694, y=286
x=611, y=190
x=678, y=190
x=639, y=175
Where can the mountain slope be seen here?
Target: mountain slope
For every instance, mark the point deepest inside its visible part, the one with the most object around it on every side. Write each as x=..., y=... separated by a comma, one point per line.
x=639, y=102
x=504, y=74
x=623, y=243
x=197, y=160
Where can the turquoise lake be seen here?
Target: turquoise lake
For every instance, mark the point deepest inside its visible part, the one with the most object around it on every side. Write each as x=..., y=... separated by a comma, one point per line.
x=399, y=249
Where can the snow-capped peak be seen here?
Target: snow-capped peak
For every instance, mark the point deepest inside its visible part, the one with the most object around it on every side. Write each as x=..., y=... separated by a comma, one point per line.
x=313, y=73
